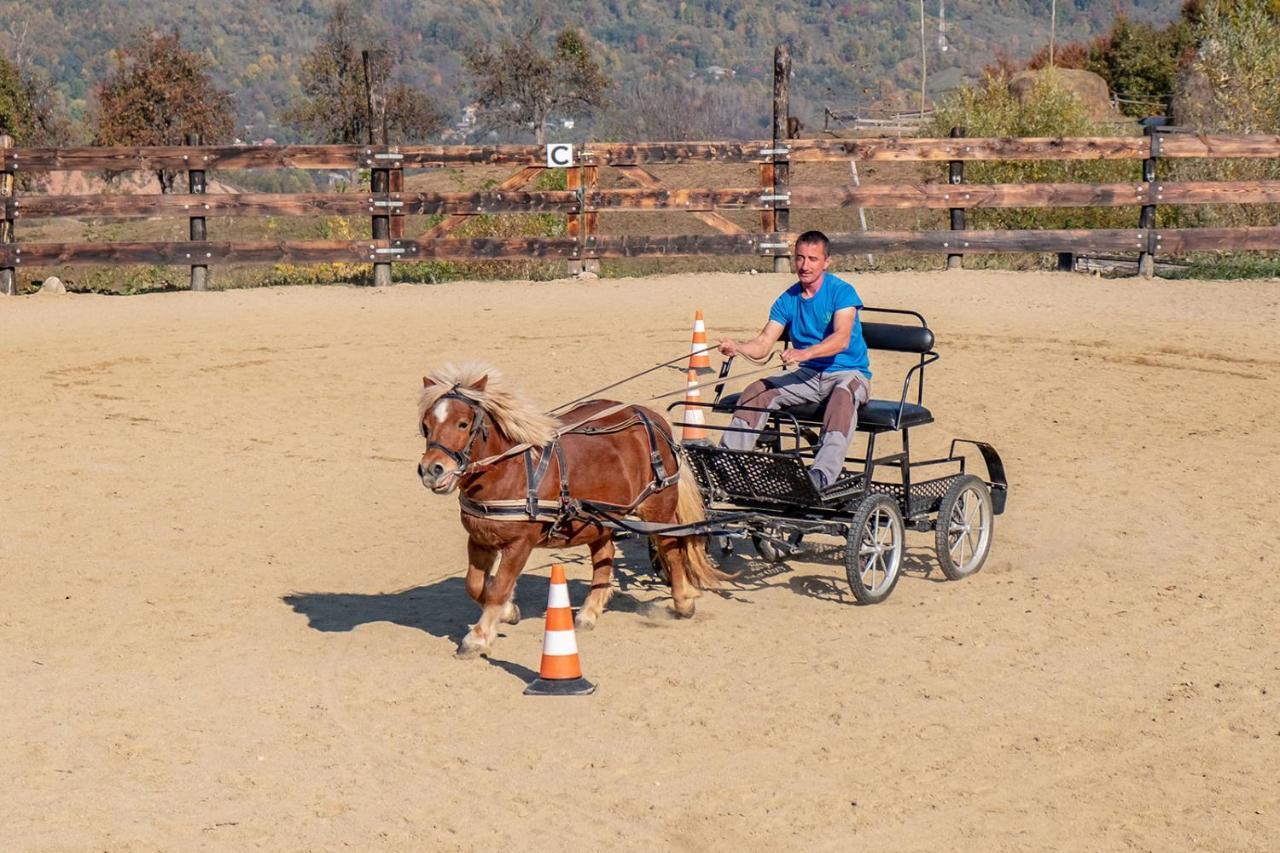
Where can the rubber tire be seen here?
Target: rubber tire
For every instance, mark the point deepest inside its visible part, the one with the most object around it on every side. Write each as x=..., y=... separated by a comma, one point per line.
x=942, y=542
x=869, y=506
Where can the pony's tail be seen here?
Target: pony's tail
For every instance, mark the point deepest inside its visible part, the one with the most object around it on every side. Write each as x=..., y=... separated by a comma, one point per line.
x=701, y=571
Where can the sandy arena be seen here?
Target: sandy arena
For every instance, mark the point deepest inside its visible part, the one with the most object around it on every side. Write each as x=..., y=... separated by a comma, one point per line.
x=228, y=608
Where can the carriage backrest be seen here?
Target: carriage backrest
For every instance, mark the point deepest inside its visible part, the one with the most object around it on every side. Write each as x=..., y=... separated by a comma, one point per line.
x=897, y=338
x=894, y=337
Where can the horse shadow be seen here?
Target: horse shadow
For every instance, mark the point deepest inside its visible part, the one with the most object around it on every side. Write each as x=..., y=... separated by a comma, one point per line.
x=443, y=609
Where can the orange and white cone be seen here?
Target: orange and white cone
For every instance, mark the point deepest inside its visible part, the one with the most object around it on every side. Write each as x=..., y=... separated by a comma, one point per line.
x=695, y=421
x=699, y=355
x=561, y=672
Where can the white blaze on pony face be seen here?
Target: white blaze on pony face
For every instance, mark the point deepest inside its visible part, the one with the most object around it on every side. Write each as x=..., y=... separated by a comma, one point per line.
x=447, y=427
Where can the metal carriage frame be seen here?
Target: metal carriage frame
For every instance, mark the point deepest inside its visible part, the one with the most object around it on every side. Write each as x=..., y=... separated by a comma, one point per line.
x=766, y=494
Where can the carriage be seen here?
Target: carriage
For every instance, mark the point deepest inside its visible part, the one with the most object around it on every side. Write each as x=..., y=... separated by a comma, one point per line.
x=767, y=496
x=528, y=479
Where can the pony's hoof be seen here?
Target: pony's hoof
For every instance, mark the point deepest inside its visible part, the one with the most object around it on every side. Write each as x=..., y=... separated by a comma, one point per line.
x=469, y=649
x=584, y=621
x=511, y=615
x=684, y=609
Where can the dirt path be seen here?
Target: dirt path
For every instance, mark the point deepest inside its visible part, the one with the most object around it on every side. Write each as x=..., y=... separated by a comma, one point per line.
x=228, y=609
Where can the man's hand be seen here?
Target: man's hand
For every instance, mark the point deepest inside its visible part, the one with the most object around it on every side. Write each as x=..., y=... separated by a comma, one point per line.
x=793, y=356
x=728, y=346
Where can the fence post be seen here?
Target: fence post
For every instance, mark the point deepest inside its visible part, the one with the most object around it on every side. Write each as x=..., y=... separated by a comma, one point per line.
x=955, y=175
x=1147, y=219
x=8, y=280
x=573, y=221
x=590, y=219
x=379, y=175
x=196, y=186
x=781, y=160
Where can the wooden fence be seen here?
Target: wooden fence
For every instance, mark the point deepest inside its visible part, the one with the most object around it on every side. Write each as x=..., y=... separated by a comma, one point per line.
x=387, y=203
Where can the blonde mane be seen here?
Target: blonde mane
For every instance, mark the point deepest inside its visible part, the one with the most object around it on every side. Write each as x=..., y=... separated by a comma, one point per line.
x=515, y=417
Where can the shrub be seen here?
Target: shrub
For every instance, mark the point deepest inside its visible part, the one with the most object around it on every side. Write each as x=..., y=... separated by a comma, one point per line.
x=991, y=109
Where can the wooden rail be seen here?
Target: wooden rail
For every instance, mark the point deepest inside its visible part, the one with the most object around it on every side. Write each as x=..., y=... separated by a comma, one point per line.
x=932, y=196
x=123, y=159
x=381, y=251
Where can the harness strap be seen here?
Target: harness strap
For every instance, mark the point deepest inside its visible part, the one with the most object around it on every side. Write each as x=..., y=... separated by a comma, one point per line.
x=534, y=477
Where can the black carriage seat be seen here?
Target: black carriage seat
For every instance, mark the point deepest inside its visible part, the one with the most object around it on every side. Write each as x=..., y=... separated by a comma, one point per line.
x=875, y=415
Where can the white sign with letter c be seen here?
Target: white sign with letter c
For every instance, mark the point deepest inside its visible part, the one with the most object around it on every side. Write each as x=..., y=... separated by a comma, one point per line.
x=559, y=155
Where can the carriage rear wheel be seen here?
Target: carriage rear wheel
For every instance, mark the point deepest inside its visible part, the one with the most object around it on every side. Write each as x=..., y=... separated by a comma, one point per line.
x=873, y=549
x=964, y=527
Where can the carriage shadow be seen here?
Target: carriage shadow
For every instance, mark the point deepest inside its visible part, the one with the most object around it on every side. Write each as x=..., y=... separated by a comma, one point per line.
x=751, y=572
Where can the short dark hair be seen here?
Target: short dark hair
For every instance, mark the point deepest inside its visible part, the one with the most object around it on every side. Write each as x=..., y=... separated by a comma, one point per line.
x=810, y=238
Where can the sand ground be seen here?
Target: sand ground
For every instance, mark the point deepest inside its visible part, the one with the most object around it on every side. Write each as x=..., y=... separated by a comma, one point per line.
x=228, y=608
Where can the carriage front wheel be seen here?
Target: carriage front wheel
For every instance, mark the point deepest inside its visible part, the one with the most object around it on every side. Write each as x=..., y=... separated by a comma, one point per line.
x=873, y=550
x=964, y=527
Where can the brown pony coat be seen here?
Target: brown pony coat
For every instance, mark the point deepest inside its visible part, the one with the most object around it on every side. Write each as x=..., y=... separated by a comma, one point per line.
x=609, y=466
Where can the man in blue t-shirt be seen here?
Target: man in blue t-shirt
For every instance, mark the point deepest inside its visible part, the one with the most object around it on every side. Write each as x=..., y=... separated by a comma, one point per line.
x=819, y=313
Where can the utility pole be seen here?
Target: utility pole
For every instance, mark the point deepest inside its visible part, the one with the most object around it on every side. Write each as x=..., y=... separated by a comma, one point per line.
x=924, y=62
x=1053, y=27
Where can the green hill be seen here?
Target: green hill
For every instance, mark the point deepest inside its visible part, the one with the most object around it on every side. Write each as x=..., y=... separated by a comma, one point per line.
x=845, y=53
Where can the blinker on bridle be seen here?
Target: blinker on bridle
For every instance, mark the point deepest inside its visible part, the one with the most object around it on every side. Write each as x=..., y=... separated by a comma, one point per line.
x=479, y=429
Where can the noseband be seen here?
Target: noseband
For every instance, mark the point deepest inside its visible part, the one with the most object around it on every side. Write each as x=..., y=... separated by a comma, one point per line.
x=479, y=429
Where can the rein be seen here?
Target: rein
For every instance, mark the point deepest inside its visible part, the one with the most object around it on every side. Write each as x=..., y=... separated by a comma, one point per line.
x=614, y=409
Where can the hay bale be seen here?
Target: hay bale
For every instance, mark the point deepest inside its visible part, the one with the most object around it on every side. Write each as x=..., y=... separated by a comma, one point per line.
x=1090, y=88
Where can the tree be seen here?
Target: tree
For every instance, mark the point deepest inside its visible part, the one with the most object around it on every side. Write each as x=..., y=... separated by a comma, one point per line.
x=337, y=108
x=17, y=103
x=669, y=108
x=160, y=94
x=28, y=111
x=521, y=87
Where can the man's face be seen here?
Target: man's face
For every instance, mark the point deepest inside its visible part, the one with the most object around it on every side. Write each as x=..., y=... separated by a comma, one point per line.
x=811, y=262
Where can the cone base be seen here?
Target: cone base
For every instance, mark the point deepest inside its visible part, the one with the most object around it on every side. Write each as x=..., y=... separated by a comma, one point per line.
x=559, y=687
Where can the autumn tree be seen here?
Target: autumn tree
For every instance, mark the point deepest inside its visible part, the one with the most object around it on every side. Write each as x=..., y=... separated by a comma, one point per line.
x=27, y=110
x=160, y=94
x=337, y=109
x=521, y=86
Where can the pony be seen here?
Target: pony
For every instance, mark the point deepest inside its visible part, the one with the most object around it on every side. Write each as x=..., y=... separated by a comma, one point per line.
x=528, y=480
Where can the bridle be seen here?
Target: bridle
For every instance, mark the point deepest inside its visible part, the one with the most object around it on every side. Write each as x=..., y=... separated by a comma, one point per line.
x=479, y=429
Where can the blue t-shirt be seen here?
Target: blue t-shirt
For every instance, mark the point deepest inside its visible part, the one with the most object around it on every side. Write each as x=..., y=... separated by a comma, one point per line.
x=809, y=321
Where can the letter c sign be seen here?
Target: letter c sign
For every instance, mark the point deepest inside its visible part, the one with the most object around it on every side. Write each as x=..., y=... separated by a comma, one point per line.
x=559, y=155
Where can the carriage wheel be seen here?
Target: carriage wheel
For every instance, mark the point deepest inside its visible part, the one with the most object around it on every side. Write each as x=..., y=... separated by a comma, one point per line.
x=873, y=550
x=964, y=527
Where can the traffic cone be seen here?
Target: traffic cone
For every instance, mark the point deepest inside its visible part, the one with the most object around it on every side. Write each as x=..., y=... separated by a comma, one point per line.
x=560, y=673
x=699, y=356
x=695, y=420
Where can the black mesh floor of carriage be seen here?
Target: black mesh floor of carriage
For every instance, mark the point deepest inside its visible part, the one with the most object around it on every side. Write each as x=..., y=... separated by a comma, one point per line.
x=751, y=476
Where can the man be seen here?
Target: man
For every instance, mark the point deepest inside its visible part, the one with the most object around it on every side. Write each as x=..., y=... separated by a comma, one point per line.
x=819, y=313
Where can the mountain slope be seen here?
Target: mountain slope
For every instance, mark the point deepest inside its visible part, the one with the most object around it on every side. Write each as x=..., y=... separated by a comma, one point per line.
x=844, y=52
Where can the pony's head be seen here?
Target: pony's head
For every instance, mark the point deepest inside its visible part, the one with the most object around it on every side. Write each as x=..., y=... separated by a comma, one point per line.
x=458, y=409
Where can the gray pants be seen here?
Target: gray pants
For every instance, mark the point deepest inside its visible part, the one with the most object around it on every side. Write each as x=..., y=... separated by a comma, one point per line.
x=845, y=391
